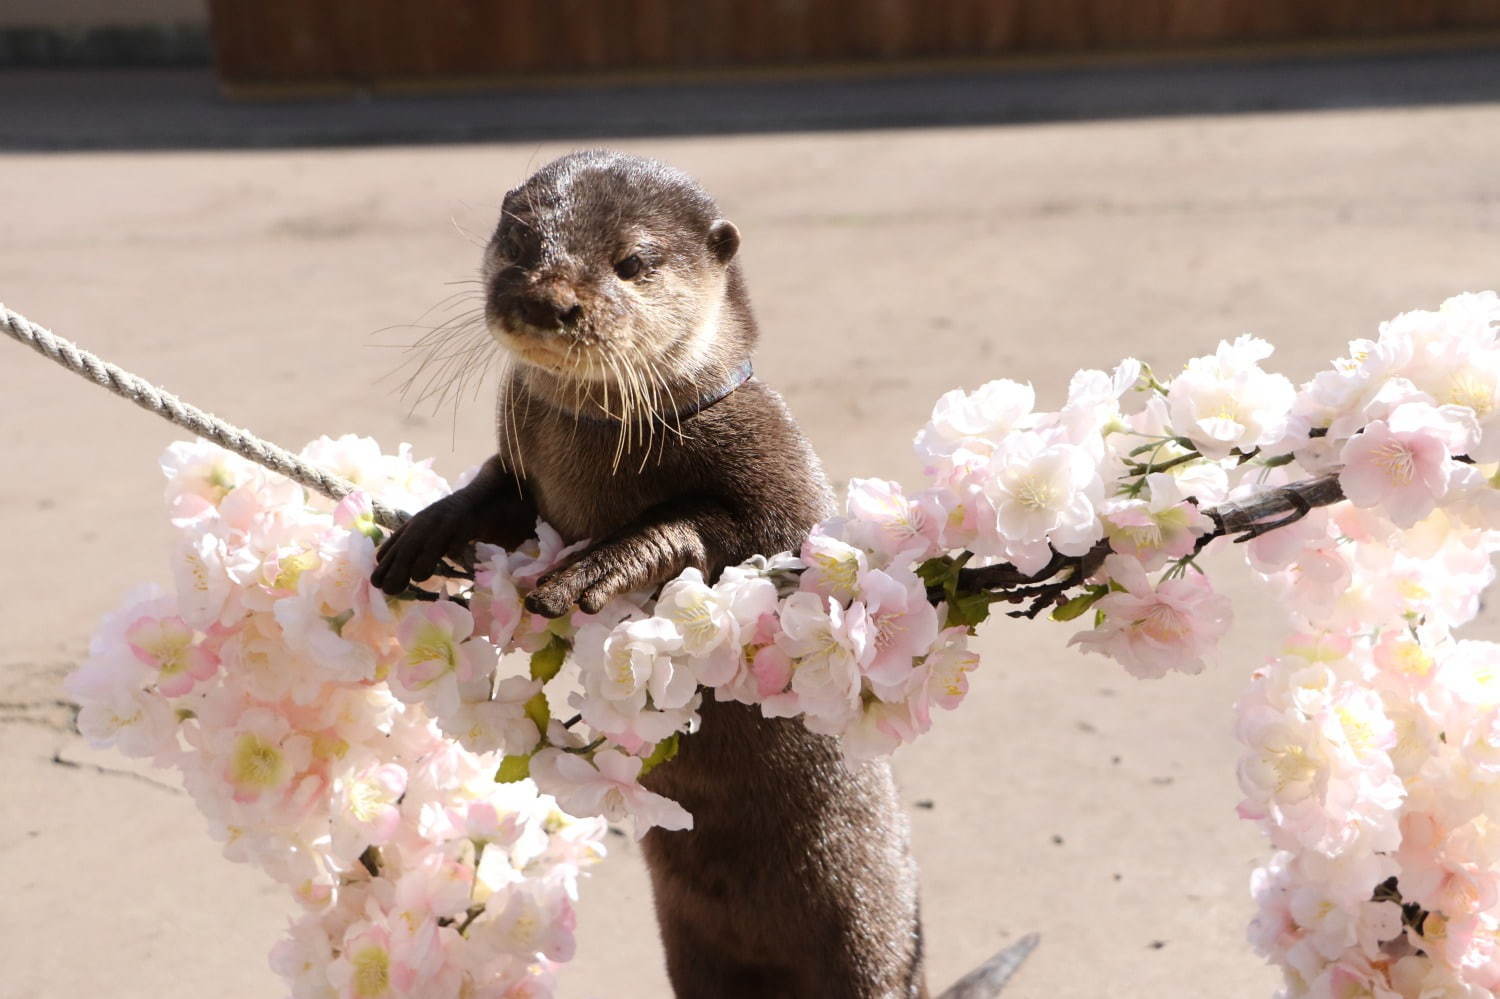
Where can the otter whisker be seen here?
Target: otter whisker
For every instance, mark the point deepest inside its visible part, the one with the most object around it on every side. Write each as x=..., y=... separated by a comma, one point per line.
x=661, y=393
x=468, y=236
x=451, y=366
x=451, y=358
x=644, y=417
x=649, y=415
x=444, y=304
x=653, y=368
x=578, y=387
x=511, y=432
x=628, y=406
x=608, y=361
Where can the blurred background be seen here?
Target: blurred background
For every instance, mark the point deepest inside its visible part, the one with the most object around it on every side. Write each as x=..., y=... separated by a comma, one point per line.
x=261, y=206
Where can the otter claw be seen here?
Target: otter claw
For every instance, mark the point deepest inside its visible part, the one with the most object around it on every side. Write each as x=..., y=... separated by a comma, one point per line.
x=576, y=585
x=553, y=596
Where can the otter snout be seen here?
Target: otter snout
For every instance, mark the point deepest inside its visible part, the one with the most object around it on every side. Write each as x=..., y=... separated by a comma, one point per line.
x=552, y=308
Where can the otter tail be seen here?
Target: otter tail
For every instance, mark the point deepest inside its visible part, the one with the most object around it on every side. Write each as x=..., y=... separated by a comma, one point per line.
x=986, y=981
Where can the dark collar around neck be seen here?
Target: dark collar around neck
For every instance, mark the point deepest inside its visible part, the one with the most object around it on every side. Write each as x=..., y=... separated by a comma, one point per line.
x=741, y=374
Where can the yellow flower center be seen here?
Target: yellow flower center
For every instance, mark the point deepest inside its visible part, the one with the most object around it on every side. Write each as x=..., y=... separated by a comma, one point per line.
x=1396, y=460
x=1035, y=493
x=432, y=644
x=257, y=763
x=1468, y=389
x=1413, y=660
x=696, y=621
x=1292, y=767
x=372, y=972
x=170, y=652
x=220, y=484
x=1357, y=730
x=291, y=568
x=842, y=571
x=198, y=571
x=620, y=670
x=365, y=800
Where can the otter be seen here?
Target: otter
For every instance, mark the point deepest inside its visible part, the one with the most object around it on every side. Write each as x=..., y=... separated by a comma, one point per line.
x=632, y=419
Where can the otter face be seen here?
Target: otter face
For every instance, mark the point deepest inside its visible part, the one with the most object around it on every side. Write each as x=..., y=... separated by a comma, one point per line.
x=603, y=262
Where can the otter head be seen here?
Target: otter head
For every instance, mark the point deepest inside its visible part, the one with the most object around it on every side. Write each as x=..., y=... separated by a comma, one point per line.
x=604, y=263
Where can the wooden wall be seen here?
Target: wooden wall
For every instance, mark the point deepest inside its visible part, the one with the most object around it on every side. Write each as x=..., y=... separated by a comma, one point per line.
x=363, y=42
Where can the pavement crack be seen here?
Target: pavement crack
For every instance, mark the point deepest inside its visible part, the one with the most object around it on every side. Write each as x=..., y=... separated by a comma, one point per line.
x=53, y=713
x=58, y=759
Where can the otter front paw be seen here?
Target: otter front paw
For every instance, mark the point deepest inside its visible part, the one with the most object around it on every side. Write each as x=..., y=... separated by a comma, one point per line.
x=585, y=584
x=413, y=552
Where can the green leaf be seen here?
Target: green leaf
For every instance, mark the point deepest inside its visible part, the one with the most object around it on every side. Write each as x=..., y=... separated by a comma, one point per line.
x=1079, y=604
x=338, y=621
x=664, y=751
x=513, y=768
x=538, y=711
x=546, y=661
x=971, y=609
x=939, y=572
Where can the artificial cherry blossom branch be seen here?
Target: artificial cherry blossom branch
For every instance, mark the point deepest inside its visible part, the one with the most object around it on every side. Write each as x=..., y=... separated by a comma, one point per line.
x=1248, y=519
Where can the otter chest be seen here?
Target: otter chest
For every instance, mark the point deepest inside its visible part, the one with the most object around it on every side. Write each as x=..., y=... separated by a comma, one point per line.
x=583, y=491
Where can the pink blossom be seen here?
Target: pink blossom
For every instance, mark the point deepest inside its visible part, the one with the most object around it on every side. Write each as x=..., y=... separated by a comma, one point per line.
x=904, y=624
x=1225, y=401
x=136, y=722
x=883, y=520
x=264, y=755
x=437, y=653
x=1401, y=464
x=608, y=785
x=1165, y=526
x=170, y=647
x=879, y=728
x=833, y=566
x=826, y=644
x=496, y=602
x=537, y=920
x=947, y=667
x=368, y=813
x=1152, y=630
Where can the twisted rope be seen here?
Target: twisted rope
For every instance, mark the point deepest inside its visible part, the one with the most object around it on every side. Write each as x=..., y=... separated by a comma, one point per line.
x=157, y=400
x=1247, y=518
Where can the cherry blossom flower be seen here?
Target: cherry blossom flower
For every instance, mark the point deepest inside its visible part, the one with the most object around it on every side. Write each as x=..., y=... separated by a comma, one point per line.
x=833, y=566
x=1044, y=494
x=174, y=651
x=1161, y=527
x=437, y=656
x=882, y=520
x=608, y=785
x=1225, y=401
x=1152, y=630
x=903, y=623
x=990, y=411
x=351, y=746
x=825, y=644
x=1402, y=465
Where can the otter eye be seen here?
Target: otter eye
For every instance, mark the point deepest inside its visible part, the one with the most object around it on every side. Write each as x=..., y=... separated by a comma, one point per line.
x=630, y=267
x=513, y=243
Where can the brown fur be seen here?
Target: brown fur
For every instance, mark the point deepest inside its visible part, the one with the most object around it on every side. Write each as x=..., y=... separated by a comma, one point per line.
x=796, y=879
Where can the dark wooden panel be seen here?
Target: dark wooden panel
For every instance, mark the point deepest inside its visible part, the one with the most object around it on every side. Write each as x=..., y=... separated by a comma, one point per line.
x=394, y=41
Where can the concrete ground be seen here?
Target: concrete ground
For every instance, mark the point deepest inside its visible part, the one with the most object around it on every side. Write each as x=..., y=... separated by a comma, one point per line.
x=886, y=267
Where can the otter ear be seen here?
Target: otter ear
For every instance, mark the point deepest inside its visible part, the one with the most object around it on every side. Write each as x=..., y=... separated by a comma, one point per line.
x=723, y=240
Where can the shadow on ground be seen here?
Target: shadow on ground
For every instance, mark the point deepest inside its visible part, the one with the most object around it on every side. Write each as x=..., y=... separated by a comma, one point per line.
x=182, y=108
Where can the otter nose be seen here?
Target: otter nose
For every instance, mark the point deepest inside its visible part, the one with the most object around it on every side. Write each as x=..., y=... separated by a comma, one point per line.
x=551, y=310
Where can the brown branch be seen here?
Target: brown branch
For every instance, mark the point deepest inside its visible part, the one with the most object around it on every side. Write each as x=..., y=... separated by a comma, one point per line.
x=1248, y=519
x=1286, y=504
